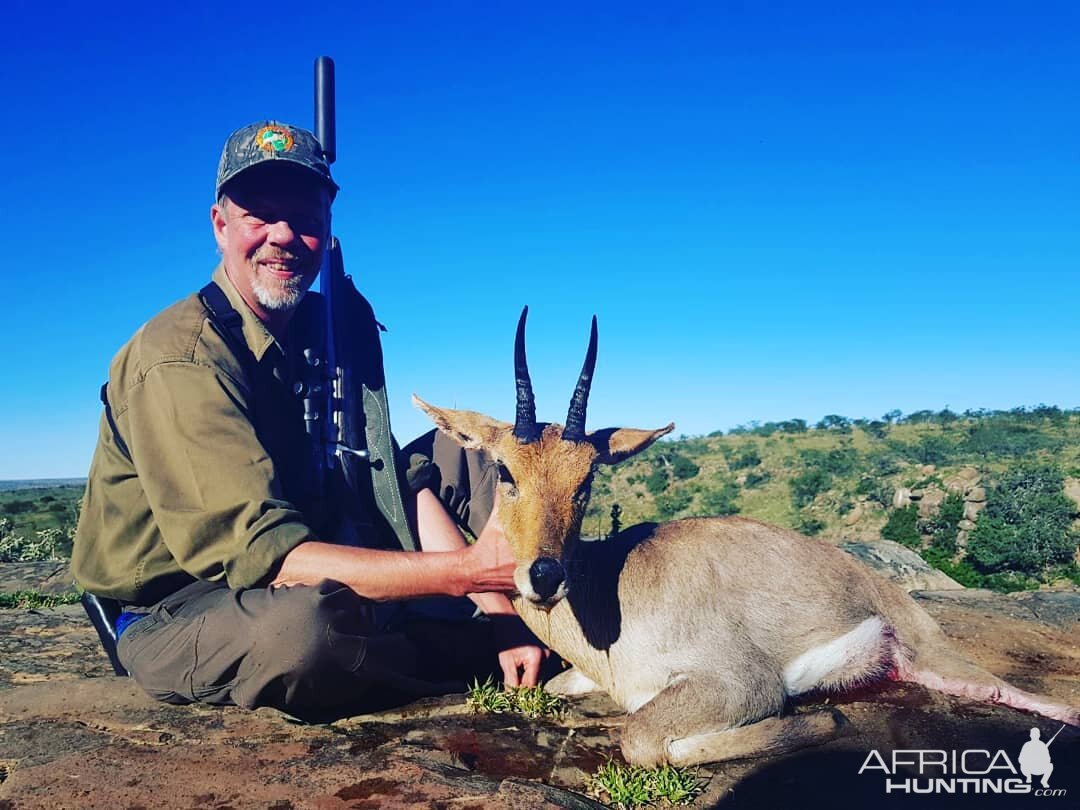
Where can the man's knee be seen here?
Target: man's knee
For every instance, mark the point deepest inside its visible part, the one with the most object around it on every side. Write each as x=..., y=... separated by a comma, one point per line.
x=310, y=629
x=306, y=646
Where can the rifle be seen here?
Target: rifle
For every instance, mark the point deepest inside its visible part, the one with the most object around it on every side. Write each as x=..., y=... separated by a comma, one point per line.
x=350, y=452
x=323, y=390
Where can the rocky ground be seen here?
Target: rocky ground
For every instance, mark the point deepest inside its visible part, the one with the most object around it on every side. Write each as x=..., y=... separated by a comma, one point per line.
x=74, y=736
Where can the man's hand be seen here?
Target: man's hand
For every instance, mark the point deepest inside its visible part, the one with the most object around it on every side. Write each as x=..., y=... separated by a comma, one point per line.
x=521, y=665
x=490, y=562
x=520, y=653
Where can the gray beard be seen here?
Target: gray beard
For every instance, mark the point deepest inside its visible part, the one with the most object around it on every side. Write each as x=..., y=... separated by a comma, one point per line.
x=278, y=295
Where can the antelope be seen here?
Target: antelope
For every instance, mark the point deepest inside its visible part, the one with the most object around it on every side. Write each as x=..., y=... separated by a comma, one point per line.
x=700, y=629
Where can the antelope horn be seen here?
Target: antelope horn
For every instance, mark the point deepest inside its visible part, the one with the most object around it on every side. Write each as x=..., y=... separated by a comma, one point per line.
x=575, y=418
x=525, y=421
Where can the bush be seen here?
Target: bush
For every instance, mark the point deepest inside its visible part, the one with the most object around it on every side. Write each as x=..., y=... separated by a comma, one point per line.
x=1009, y=581
x=46, y=545
x=805, y=487
x=929, y=449
x=722, y=501
x=885, y=463
x=683, y=468
x=1027, y=522
x=1003, y=436
x=756, y=479
x=902, y=527
x=840, y=461
x=875, y=490
x=19, y=506
x=748, y=459
x=670, y=504
x=962, y=572
x=656, y=481
x=878, y=430
x=944, y=527
x=810, y=526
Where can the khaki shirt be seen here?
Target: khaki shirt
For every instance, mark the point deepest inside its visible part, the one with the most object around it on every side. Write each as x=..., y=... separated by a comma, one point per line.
x=219, y=485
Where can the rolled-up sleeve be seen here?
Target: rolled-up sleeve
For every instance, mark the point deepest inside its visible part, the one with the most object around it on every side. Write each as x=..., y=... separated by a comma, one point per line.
x=209, y=481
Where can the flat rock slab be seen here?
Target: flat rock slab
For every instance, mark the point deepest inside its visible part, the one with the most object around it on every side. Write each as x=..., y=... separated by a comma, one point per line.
x=44, y=577
x=49, y=644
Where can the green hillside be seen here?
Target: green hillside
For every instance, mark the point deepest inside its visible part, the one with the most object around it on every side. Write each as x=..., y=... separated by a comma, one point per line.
x=841, y=478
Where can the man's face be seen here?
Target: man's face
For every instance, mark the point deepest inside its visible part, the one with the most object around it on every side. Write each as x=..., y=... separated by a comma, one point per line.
x=272, y=230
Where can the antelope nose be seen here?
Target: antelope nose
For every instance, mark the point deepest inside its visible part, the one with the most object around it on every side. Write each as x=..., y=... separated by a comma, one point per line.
x=546, y=575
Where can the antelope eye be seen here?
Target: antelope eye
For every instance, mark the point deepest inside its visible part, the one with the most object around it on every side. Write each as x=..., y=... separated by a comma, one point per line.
x=504, y=475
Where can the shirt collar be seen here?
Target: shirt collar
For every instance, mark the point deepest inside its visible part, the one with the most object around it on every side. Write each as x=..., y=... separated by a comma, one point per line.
x=259, y=338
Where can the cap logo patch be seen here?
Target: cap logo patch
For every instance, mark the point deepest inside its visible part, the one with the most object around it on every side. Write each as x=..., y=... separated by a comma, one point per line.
x=274, y=139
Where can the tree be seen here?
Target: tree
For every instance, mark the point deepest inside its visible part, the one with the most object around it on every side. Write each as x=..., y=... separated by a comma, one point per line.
x=879, y=430
x=834, y=421
x=944, y=526
x=902, y=527
x=1027, y=523
x=656, y=481
x=683, y=468
x=750, y=458
x=805, y=487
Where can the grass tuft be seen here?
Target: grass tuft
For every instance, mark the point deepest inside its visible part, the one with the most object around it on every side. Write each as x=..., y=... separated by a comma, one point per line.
x=531, y=701
x=627, y=786
x=31, y=600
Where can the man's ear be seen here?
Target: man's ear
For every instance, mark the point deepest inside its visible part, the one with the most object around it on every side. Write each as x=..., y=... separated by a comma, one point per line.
x=470, y=429
x=618, y=444
x=219, y=223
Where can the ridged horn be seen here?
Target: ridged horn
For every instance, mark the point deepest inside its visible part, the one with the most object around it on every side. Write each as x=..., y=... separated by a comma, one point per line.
x=575, y=417
x=525, y=420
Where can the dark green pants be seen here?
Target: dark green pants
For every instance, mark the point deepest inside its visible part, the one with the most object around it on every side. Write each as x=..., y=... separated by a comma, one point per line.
x=302, y=649
x=311, y=649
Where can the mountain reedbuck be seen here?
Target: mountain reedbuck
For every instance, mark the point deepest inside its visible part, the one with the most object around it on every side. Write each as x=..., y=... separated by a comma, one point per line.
x=700, y=628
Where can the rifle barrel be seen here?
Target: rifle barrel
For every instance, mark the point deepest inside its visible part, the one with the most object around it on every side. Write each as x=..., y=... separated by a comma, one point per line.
x=325, y=113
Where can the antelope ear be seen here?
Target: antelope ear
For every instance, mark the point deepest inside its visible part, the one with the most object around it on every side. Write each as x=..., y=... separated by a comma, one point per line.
x=618, y=444
x=470, y=429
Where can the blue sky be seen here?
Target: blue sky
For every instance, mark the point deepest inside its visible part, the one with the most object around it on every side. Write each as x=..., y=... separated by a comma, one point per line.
x=776, y=210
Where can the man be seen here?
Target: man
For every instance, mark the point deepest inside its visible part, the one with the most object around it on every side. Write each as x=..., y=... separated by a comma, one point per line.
x=200, y=516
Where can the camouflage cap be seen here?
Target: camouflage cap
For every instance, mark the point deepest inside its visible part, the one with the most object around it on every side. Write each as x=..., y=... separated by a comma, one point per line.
x=266, y=141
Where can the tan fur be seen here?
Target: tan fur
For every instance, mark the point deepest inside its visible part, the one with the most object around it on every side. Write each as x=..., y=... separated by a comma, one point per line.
x=695, y=626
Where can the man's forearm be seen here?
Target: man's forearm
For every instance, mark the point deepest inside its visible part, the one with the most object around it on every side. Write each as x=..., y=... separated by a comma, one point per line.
x=377, y=574
x=445, y=567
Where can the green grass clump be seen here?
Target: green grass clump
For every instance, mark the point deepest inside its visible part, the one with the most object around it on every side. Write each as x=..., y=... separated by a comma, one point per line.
x=626, y=786
x=31, y=600
x=531, y=701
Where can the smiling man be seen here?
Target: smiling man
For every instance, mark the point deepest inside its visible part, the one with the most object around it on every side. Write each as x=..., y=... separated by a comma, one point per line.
x=241, y=582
